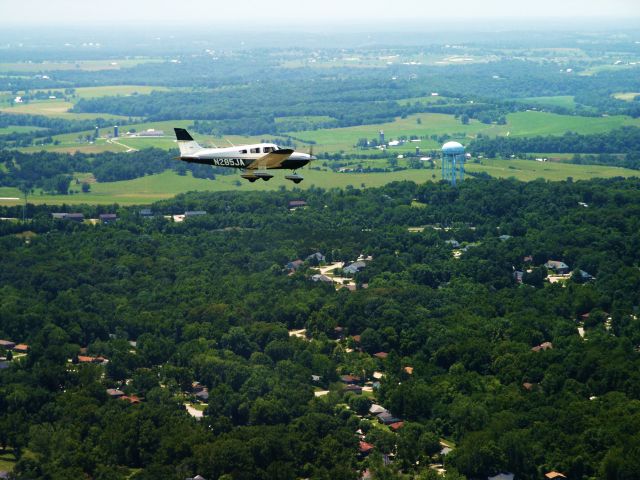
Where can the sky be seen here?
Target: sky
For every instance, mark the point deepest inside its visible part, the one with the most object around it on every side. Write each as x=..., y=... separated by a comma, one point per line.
x=297, y=13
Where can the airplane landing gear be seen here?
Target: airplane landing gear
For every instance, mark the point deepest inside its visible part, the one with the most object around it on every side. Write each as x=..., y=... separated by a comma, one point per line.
x=294, y=177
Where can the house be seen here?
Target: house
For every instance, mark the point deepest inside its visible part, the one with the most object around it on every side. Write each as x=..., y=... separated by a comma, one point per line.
x=146, y=212
x=387, y=418
x=203, y=395
x=527, y=386
x=586, y=277
x=194, y=213
x=553, y=475
x=357, y=389
x=445, y=450
x=115, y=393
x=375, y=409
x=502, y=476
x=409, y=370
x=21, y=348
x=527, y=259
x=132, y=399
x=557, y=266
x=316, y=378
x=381, y=355
x=452, y=243
x=293, y=204
x=338, y=333
x=7, y=344
x=365, y=448
x=319, y=257
x=85, y=359
x=296, y=264
x=396, y=426
x=356, y=338
x=355, y=267
x=542, y=346
x=518, y=276
x=349, y=379
x=321, y=278
x=76, y=217
x=196, y=387
x=107, y=217
x=504, y=238
x=197, y=477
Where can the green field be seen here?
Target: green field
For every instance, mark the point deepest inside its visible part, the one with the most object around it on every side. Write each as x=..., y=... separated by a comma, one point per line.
x=18, y=129
x=168, y=184
x=332, y=140
x=56, y=109
x=527, y=170
x=527, y=124
x=113, y=90
x=566, y=101
x=343, y=139
x=519, y=124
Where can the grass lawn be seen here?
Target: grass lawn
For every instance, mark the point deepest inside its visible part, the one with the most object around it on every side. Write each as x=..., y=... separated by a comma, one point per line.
x=151, y=188
x=7, y=460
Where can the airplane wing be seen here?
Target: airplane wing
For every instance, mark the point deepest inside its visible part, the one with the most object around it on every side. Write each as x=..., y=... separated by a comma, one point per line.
x=271, y=160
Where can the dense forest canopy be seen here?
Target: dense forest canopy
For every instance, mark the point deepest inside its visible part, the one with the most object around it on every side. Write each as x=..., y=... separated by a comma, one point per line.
x=210, y=300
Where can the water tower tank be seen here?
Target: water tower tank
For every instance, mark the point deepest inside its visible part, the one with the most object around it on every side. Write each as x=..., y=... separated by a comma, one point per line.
x=453, y=162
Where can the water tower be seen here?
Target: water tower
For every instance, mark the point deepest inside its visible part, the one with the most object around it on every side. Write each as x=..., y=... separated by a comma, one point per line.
x=453, y=162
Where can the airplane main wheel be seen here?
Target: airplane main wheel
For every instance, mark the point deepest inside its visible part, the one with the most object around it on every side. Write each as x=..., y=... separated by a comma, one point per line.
x=252, y=179
x=296, y=181
x=266, y=179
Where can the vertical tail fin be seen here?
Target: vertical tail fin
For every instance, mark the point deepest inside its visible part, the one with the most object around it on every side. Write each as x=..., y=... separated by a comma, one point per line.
x=186, y=143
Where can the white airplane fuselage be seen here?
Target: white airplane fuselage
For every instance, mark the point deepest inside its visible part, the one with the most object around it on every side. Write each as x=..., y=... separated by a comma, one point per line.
x=254, y=159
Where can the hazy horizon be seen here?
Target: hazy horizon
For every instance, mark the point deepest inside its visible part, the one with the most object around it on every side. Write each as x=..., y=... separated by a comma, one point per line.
x=289, y=14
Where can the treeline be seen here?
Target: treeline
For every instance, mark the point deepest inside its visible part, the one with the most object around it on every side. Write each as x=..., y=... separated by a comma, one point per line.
x=36, y=170
x=624, y=140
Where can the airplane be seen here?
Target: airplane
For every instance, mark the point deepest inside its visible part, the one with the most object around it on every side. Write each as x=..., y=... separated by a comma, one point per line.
x=255, y=159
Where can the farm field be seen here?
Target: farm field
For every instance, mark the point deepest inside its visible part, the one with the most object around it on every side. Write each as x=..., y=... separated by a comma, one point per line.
x=56, y=109
x=168, y=184
x=519, y=124
x=566, y=101
x=334, y=140
x=113, y=90
x=626, y=96
x=18, y=129
x=527, y=170
x=88, y=65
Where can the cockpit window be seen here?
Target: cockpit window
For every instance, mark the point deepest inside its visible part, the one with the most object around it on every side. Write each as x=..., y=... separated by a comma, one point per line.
x=268, y=149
